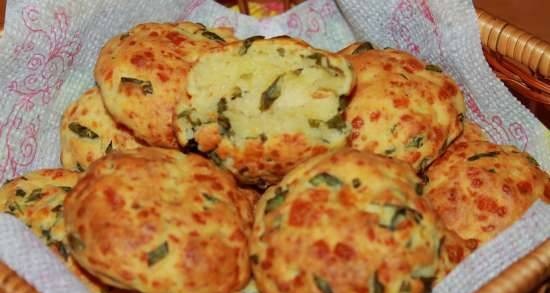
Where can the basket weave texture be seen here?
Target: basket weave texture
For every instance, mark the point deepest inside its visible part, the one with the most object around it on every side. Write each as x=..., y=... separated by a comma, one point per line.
x=520, y=60
x=10, y=282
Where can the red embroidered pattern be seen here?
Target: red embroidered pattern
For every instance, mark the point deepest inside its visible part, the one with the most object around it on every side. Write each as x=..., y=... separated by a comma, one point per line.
x=497, y=129
x=190, y=8
x=46, y=53
x=312, y=22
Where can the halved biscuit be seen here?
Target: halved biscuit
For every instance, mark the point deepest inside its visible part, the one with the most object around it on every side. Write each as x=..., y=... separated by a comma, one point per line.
x=88, y=132
x=479, y=188
x=261, y=106
x=347, y=221
x=157, y=220
x=402, y=107
x=142, y=74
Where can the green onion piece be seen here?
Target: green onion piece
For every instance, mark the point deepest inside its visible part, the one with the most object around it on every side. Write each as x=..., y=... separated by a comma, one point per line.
x=377, y=286
x=322, y=284
x=419, y=189
x=271, y=94
x=532, y=160
x=483, y=155
x=405, y=287
x=222, y=105
x=389, y=151
x=61, y=249
x=424, y=164
x=109, y=148
x=356, y=182
x=326, y=178
x=336, y=122
x=393, y=215
x=210, y=198
x=82, y=131
x=236, y=93
x=277, y=200
x=416, y=142
x=365, y=46
x=145, y=85
x=343, y=102
x=13, y=208
x=75, y=243
x=215, y=158
x=124, y=36
x=247, y=43
x=212, y=36
x=460, y=117
x=35, y=195
x=255, y=259
x=157, y=254
x=20, y=192
x=314, y=123
x=46, y=233
x=318, y=57
x=65, y=188
x=439, y=246
x=433, y=67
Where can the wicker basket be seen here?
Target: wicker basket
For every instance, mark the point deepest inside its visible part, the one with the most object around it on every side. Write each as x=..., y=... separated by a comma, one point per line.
x=522, y=62
x=10, y=282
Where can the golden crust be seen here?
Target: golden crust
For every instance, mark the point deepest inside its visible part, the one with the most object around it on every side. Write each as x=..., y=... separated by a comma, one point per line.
x=345, y=221
x=471, y=132
x=401, y=107
x=36, y=198
x=256, y=141
x=88, y=132
x=156, y=220
x=261, y=163
x=142, y=74
x=453, y=251
x=479, y=188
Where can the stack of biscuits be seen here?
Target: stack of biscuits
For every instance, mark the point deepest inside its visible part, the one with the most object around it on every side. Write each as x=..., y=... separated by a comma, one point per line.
x=203, y=163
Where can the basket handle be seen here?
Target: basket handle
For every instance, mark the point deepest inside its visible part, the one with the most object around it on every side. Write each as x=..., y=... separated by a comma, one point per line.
x=11, y=282
x=510, y=41
x=525, y=274
x=2, y=15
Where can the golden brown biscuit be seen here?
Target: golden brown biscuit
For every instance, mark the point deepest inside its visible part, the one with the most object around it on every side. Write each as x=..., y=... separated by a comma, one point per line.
x=479, y=188
x=261, y=106
x=88, y=132
x=453, y=251
x=471, y=132
x=401, y=107
x=36, y=198
x=346, y=221
x=142, y=74
x=156, y=220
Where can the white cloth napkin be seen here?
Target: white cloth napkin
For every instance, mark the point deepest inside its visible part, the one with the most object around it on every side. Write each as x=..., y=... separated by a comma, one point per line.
x=23, y=252
x=49, y=50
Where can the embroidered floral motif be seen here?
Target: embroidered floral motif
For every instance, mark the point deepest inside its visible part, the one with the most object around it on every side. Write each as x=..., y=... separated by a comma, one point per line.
x=46, y=53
